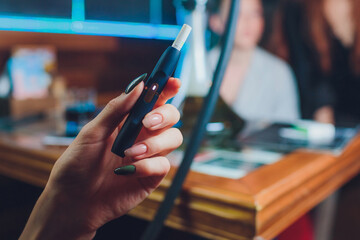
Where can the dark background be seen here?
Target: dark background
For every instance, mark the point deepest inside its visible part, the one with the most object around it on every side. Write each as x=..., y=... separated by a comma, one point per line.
x=36, y=8
x=110, y=10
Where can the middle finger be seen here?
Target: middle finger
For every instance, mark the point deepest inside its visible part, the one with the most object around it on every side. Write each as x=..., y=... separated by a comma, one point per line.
x=167, y=140
x=164, y=116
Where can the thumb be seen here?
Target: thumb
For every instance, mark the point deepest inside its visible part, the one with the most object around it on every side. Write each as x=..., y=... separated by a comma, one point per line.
x=114, y=112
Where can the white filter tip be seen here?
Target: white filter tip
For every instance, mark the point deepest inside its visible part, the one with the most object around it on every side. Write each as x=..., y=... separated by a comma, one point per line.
x=181, y=37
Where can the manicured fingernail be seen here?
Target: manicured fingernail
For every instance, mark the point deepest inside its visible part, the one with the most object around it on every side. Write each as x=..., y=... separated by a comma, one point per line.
x=125, y=170
x=152, y=120
x=136, y=150
x=134, y=83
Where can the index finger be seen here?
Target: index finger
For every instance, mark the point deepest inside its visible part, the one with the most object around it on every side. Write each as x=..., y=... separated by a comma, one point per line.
x=170, y=90
x=114, y=112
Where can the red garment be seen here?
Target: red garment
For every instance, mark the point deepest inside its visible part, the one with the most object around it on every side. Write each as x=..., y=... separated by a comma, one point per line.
x=302, y=229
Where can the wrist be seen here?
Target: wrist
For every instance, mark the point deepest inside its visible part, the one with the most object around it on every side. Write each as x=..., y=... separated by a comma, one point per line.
x=55, y=217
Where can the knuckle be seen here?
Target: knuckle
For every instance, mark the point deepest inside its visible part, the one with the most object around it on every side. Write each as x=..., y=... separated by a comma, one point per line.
x=88, y=132
x=174, y=112
x=176, y=136
x=87, y=129
x=165, y=165
x=158, y=166
x=147, y=168
x=112, y=104
x=155, y=145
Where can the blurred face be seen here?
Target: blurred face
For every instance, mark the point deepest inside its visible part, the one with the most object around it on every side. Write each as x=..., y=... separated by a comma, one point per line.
x=250, y=24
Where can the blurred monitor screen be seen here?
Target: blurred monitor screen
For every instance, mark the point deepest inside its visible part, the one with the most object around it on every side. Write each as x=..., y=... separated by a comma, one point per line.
x=38, y=8
x=135, y=18
x=131, y=11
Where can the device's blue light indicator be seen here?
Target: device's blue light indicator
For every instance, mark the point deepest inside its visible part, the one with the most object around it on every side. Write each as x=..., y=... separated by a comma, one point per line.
x=90, y=27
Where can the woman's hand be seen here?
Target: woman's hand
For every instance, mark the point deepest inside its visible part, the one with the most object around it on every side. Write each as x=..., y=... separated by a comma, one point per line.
x=83, y=193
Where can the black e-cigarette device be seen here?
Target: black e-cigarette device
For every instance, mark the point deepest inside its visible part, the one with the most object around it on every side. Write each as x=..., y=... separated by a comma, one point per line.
x=164, y=68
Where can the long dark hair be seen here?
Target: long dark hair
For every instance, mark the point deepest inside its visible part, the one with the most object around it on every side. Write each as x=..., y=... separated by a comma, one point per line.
x=319, y=34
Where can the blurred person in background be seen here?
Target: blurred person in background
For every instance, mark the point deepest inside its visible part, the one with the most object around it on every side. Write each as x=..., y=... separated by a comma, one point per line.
x=321, y=40
x=257, y=85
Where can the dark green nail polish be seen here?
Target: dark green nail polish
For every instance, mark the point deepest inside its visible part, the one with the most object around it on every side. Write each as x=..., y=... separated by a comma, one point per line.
x=134, y=83
x=125, y=170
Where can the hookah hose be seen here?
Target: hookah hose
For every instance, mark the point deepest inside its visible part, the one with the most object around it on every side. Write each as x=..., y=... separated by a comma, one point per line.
x=153, y=230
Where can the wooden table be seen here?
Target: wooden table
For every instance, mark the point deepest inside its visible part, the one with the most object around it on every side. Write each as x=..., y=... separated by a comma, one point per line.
x=259, y=205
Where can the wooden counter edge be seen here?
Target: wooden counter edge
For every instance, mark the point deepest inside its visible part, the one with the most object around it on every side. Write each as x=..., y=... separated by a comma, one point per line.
x=260, y=191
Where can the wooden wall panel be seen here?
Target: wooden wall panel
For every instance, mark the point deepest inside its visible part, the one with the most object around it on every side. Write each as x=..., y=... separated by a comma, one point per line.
x=105, y=63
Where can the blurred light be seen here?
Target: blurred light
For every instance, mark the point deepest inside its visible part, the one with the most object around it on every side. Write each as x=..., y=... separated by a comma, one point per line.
x=215, y=127
x=89, y=27
x=78, y=10
x=155, y=11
